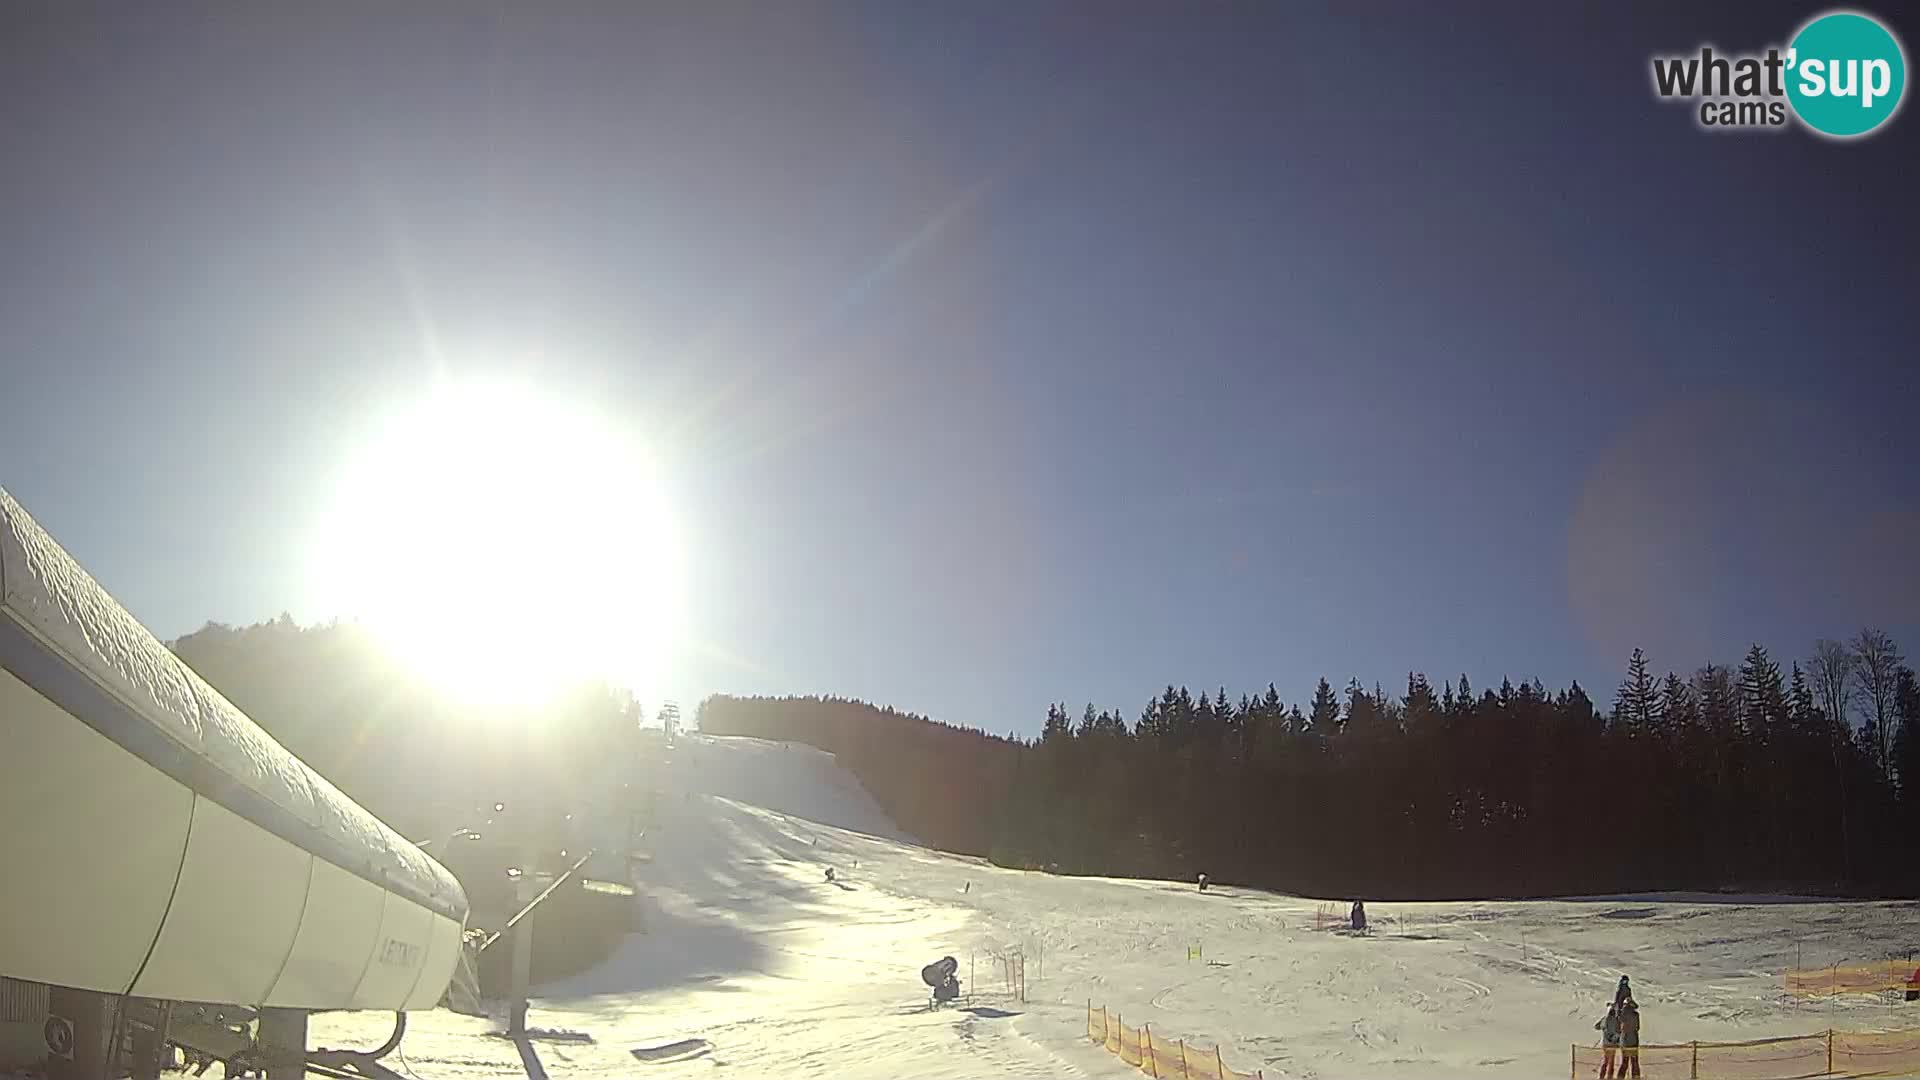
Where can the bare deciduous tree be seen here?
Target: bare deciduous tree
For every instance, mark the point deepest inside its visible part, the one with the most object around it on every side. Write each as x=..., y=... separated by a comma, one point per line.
x=1877, y=687
x=1832, y=667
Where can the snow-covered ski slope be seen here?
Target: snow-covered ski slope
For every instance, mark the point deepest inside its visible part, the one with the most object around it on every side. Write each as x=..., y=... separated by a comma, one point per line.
x=788, y=975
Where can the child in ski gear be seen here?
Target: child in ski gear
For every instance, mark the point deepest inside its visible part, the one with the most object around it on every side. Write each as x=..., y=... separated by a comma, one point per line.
x=1358, y=917
x=1609, y=1041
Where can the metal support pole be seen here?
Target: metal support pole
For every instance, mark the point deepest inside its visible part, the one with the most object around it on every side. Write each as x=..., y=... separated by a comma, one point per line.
x=522, y=978
x=79, y=1034
x=148, y=1022
x=283, y=1043
x=528, y=894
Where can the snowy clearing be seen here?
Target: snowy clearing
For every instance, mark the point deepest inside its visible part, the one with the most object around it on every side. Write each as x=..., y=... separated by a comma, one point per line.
x=751, y=949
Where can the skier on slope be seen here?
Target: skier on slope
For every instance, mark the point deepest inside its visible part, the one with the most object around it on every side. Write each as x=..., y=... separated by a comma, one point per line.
x=1622, y=993
x=1358, y=916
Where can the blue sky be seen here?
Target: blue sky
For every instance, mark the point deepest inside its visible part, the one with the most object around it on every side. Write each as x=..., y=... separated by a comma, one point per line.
x=994, y=354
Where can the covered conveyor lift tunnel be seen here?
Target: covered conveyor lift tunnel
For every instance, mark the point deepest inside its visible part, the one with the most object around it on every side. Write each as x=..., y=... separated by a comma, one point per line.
x=161, y=848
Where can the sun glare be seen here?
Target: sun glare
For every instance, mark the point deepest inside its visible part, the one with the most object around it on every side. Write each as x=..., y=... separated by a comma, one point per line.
x=507, y=545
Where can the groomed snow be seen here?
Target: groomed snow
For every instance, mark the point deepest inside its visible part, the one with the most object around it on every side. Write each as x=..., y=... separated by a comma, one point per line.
x=751, y=948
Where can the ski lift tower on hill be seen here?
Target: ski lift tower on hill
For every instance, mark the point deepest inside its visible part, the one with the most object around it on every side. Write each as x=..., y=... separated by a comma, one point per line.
x=670, y=720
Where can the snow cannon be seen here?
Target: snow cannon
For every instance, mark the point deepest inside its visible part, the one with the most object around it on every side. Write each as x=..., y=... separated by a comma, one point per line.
x=943, y=976
x=161, y=846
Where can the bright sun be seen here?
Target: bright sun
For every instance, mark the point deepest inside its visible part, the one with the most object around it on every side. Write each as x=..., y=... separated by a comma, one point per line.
x=507, y=545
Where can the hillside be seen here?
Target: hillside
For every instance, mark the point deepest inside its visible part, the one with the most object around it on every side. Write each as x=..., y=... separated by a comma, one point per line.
x=784, y=973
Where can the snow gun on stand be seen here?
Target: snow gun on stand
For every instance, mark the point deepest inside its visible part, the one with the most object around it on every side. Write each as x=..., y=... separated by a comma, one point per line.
x=943, y=976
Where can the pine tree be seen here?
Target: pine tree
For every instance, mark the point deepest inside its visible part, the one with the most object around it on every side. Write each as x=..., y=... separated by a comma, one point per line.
x=1679, y=705
x=1058, y=728
x=1578, y=707
x=1801, y=711
x=1362, y=716
x=1763, y=700
x=1324, y=719
x=1719, y=701
x=1422, y=709
x=1206, y=724
x=1633, y=705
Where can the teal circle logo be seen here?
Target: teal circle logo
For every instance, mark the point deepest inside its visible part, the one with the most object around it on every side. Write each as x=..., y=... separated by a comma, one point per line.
x=1846, y=74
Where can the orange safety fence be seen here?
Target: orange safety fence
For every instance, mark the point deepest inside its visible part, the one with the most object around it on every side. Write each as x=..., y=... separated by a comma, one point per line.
x=1835, y=1053
x=1854, y=978
x=1013, y=973
x=1159, y=1057
x=1879, y=1053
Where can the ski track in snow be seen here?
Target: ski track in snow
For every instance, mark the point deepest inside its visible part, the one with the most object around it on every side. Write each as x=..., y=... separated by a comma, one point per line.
x=749, y=947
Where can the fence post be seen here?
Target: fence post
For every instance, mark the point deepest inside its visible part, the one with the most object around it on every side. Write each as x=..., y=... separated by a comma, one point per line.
x=1184, y=1074
x=1573, y=1061
x=1829, y=1050
x=1695, y=1074
x=1146, y=1042
x=1219, y=1063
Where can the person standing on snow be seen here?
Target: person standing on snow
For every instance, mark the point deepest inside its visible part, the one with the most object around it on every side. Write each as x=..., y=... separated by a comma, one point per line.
x=1629, y=1038
x=1622, y=993
x=1609, y=1041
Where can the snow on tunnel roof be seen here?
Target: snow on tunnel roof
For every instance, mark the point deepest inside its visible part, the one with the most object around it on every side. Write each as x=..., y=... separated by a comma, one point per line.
x=62, y=634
